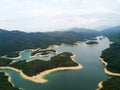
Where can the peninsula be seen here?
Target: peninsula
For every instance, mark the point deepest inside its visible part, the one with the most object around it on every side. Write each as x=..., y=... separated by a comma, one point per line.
x=37, y=69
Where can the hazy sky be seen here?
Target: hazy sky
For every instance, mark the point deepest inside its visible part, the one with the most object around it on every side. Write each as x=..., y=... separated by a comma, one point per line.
x=48, y=15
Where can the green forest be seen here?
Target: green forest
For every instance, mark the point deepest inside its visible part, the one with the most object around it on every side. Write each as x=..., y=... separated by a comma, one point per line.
x=5, y=84
x=112, y=57
x=11, y=42
x=37, y=66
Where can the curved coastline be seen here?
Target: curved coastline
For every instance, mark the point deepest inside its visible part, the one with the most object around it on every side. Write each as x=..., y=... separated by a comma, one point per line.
x=9, y=81
x=9, y=78
x=90, y=45
x=20, y=52
x=49, y=47
x=14, y=57
x=107, y=71
x=39, y=78
x=100, y=84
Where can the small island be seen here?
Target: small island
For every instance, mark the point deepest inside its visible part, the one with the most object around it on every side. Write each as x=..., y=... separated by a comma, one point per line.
x=13, y=54
x=42, y=52
x=5, y=83
x=37, y=69
x=91, y=42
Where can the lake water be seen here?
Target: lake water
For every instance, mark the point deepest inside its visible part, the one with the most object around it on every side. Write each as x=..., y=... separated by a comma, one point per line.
x=83, y=79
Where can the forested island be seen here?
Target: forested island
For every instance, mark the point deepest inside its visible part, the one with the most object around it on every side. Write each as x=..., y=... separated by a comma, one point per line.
x=13, y=54
x=42, y=52
x=91, y=42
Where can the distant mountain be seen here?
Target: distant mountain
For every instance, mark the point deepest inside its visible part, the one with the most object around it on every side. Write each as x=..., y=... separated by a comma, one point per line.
x=12, y=41
x=83, y=30
x=102, y=28
x=113, y=30
x=112, y=33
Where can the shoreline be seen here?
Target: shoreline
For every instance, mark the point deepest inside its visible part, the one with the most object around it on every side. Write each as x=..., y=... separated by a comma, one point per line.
x=39, y=78
x=100, y=84
x=14, y=58
x=107, y=71
x=90, y=45
x=49, y=47
x=9, y=79
x=20, y=52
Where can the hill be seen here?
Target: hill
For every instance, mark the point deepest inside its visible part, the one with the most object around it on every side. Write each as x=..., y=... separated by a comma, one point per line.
x=112, y=33
x=11, y=42
x=112, y=57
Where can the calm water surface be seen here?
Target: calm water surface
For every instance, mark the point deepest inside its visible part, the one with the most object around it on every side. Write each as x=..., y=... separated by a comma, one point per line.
x=84, y=79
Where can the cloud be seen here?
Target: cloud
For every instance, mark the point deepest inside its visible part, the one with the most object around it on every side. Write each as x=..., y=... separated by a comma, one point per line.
x=44, y=15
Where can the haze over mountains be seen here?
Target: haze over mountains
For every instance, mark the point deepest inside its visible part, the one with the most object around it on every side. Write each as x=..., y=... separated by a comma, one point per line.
x=18, y=40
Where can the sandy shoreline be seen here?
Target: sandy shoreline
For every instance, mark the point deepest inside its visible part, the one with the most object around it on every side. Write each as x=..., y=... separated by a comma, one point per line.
x=105, y=69
x=39, y=78
x=107, y=72
x=100, y=85
x=13, y=57
x=20, y=52
x=9, y=78
x=90, y=45
x=49, y=47
x=38, y=54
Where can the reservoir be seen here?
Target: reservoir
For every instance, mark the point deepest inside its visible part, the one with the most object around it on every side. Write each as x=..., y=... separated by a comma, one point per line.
x=86, y=78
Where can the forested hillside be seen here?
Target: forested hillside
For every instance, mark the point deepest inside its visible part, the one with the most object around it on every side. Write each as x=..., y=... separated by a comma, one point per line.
x=12, y=41
x=112, y=57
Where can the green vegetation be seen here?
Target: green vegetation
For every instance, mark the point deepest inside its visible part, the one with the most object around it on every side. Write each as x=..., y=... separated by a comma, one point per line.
x=42, y=52
x=13, y=54
x=112, y=54
x=112, y=84
x=14, y=41
x=91, y=42
x=37, y=66
x=5, y=62
x=112, y=57
x=5, y=84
